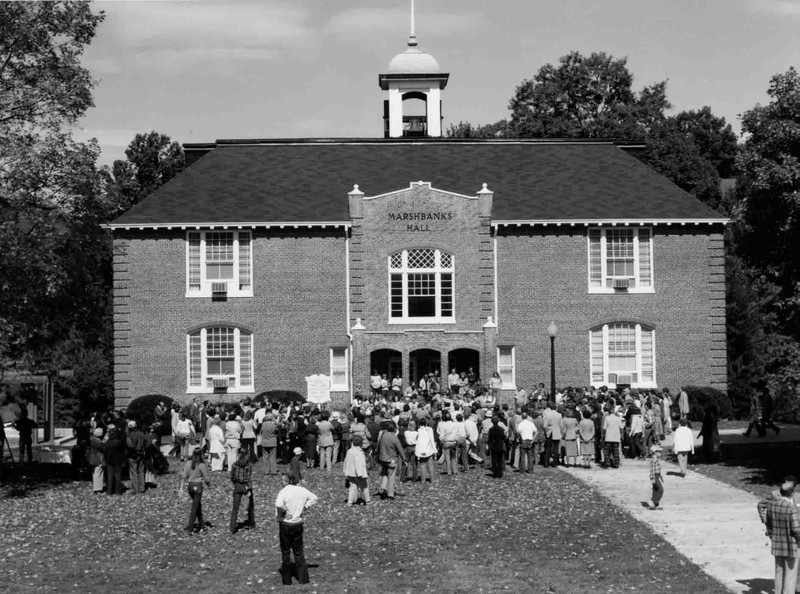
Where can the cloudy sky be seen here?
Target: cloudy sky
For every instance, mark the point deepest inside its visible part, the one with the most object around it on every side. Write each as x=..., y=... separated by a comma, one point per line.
x=199, y=71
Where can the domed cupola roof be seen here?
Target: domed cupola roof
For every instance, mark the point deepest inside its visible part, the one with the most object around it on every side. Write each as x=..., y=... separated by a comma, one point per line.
x=413, y=61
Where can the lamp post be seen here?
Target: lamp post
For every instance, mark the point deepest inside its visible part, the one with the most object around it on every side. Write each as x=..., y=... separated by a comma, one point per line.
x=552, y=330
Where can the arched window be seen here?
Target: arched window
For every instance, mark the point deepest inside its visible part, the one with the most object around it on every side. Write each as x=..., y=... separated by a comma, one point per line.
x=220, y=357
x=421, y=287
x=623, y=353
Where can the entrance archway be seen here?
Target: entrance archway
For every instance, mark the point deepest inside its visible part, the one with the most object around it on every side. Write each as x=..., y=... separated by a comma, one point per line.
x=388, y=361
x=464, y=360
x=423, y=361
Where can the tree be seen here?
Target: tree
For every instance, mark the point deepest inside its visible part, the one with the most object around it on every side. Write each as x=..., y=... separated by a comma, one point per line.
x=152, y=160
x=712, y=135
x=466, y=130
x=586, y=97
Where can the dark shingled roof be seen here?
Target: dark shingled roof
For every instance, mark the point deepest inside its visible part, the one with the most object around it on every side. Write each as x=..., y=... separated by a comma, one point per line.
x=308, y=181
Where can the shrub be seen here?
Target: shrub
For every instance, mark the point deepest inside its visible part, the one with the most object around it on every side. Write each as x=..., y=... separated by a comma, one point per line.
x=702, y=396
x=282, y=396
x=142, y=409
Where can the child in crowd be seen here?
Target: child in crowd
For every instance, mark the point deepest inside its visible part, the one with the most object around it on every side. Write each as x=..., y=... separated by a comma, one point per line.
x=656, y=476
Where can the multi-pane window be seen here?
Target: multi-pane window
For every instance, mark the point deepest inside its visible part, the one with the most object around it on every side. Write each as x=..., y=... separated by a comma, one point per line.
x=217, y=260
x=505, y=365
x=339, y=375
x=421, y=287
x=220, y=357
x=623, y=354
x=620, y=259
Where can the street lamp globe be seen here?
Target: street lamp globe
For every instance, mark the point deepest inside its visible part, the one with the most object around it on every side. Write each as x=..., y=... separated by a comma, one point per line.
x=552, y=330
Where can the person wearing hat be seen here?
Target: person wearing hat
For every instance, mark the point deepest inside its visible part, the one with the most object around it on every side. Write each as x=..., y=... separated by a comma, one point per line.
x=656, y=476
x=294, y=463
x=97, y=460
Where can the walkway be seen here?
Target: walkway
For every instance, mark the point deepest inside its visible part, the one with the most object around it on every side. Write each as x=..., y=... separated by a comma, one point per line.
x=716, y=526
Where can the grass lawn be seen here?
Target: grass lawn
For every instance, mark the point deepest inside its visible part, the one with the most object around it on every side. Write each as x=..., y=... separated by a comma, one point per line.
x=469, y=533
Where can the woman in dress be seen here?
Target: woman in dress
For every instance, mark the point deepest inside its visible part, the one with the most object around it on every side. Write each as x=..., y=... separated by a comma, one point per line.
x=194, y=475
x=569, y=438
x=425, y=451
x=586, y=433
x=325, y=441
x=311, y=435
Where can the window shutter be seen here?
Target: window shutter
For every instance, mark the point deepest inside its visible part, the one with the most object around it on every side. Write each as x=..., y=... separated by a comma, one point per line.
x=245, y=359
x=245, y=267
x=645, y=266
x=194, y=261
x=595, y=259
x=397, y=295
x=447, y=295
x=648, y=355
x=195, y=359
x=596, y=347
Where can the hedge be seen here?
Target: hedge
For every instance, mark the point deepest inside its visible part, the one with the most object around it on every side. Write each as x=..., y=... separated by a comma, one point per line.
x=701, y=397
x=142, y=410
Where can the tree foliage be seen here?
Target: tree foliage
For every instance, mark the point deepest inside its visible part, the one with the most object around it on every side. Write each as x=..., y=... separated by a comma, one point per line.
x=152, y=160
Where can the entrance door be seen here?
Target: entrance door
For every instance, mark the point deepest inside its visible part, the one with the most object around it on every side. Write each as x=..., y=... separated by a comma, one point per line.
x=386, y=361
x=464, y=360
x=422, y=362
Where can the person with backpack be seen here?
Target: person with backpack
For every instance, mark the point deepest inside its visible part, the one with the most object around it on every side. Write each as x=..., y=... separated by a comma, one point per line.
x=242, y=479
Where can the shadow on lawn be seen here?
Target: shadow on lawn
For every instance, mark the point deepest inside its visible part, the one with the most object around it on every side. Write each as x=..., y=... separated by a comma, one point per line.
x=758, y=585
x=758, y=463
x=23, y=481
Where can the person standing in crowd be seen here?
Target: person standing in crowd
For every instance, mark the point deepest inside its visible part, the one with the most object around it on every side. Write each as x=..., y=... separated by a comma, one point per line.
x=666, y=407
x=325, y=441
x=756, y=414
x=136, y=443
x=294, y=463
x=453, y=381
x=336, y=431
x=783, y=528
x=242, y=479
x=612, y=436
x=526, y=429
x=390, y=454
x=233, y=439
x=586, y=432
x=712, y=448
x=194, y=475
x=269, y=443
x=540, y=437
x=248, y=440
x=448, y=438
x=425, y=451
x=25, y=427
x=683, y=444
x=346, y=423
x=473, y=436
x=656, y=477
x=569, y=434
x=355, y=472
x=216, y=445
x=175, y=417
x=375, y=382
x=184, y=433
x=683, y=403
x=290, y=504
x=97, y=460
x=311, y=436
x=462, y=449
x=552, y=428
x=497, y=447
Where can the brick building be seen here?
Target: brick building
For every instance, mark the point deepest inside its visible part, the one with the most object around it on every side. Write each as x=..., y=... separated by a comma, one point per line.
x=267, y=261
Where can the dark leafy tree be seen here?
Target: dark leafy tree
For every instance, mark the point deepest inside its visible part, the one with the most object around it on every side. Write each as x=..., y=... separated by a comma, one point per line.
x=152, y=160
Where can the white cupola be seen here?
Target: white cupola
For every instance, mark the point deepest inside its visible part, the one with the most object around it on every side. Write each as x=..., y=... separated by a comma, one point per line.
x=413, y=77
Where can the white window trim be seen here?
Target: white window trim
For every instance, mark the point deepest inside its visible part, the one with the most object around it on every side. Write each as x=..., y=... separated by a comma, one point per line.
x=345, y=386
x=603, y=270
x=203, y=389
x=513, y=384
x=639, y=384
x=205, y=283
x=437, y=272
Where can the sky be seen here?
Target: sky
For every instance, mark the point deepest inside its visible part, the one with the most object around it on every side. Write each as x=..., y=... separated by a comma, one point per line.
x=199, y=71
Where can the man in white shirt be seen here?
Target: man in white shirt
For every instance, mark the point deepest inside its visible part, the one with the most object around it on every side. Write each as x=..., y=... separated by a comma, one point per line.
x=527, y=433
x=453, y=381
x=290, y=504
x=258, y=417
x=683, y=444
x=472, y=438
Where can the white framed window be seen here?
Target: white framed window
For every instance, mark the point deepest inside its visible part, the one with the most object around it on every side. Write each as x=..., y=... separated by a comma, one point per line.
x=506, y=367
x=340, y=380
x=620, y=260
x=623, y=353
x=219, y=357
x=219, y=262
x=421, y=287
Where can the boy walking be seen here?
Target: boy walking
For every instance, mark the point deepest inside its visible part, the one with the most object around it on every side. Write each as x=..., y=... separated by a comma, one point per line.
x=656, y=476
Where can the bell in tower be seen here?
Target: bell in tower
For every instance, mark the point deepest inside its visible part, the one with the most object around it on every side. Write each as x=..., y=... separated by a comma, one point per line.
x=414, y=81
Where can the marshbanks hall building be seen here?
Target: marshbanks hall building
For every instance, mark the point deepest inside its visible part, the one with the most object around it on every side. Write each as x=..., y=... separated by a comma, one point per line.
x=267, y=261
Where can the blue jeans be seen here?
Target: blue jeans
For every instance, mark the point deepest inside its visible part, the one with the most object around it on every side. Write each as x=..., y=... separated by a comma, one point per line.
x=291, y=540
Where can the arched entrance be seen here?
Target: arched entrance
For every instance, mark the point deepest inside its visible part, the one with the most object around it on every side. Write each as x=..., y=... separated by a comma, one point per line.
x=423, y=361
x=464, y=360
x=386, y=361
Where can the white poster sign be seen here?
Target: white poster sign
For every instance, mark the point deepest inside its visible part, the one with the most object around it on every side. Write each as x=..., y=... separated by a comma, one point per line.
x=318, y=388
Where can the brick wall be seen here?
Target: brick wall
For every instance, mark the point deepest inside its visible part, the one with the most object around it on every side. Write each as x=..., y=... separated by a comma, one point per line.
x=298, y=311
x=542, y=276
